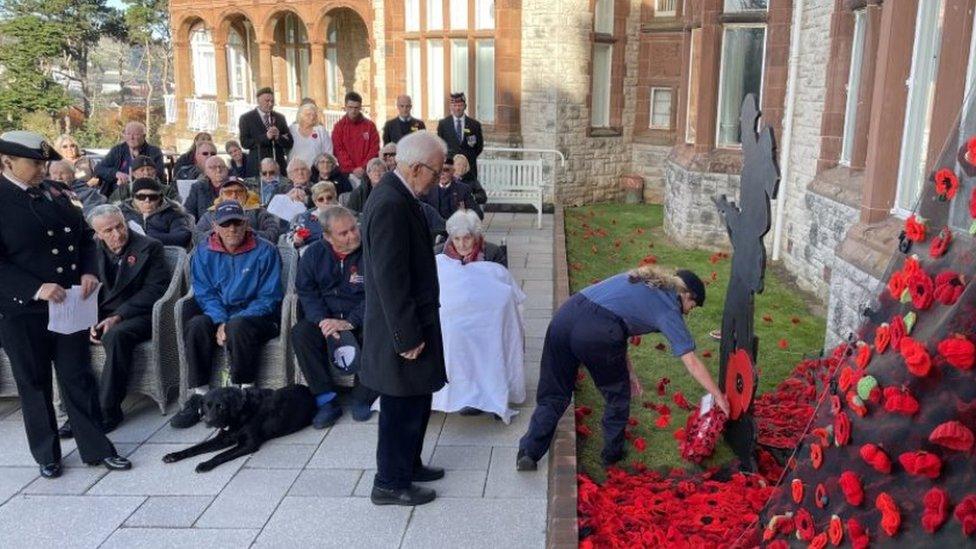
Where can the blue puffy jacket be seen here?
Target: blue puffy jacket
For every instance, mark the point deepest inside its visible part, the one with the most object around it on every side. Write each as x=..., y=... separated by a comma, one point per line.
x=329, y=287
x=245, y=283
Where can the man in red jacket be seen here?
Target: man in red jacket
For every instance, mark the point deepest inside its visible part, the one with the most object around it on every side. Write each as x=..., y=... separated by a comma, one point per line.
x=354, y=138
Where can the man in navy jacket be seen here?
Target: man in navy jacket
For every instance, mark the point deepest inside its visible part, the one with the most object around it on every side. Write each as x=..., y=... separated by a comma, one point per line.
x=117, y=166
x=330, y=289
x=236, y=277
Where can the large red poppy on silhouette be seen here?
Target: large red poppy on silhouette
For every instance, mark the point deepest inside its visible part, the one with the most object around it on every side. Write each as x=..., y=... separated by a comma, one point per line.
x=740, y=383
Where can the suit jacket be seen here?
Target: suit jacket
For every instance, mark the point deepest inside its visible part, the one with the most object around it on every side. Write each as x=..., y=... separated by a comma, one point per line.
x=402, y=295
x=396, y=129
x=41, y=240
x=253, y=132
x=141, y=281
x=472, y=144
x=449, y=200
x=119, y=159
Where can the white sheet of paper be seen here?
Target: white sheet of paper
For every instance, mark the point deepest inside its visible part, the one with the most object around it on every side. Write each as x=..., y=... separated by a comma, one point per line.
x=707, y=402
x=133, y=226
x=74, y=314
x=285, y=207
x=183, y=187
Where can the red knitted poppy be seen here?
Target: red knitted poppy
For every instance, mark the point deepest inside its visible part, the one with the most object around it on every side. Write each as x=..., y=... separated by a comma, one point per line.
x=921, y=463
x=876, y=458
x=936, y=502
x=850, y=485
x=898, y=330
x=835, y=530
x=916, y=357
x=921, y=288
x=940, y=243
x=890, y=514
x=863, y=357
x=953, y=435
x=796, y=490
x=899, y=400
x=819, y=541
x=915, y=228
x=842, y=429
x=882, y=338
x=804, y=524
x=966, y=514
x=946, y=184
x=859, y=536
x=897, y=284
x=958, y=351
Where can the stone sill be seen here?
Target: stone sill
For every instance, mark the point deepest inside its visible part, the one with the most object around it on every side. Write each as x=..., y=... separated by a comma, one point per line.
x=727, y=161
x=840, y=184
x=661, y=138
x=663, y=25
x=604, y=132
x=870, y=247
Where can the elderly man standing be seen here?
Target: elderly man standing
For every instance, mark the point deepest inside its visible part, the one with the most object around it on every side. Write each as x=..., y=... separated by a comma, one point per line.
x=116, y=168
x=329, y=283
x=132, y=269
x=404, y=124
x=462, y=133
x=46, y=248
x=403, y=356
x=236, y=278
x=354, y=138
x=264, y=133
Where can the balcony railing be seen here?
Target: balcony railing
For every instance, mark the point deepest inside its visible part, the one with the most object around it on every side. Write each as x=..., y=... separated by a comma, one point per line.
x=665, y=8
x=201, y=115
x=235, y=109
x=169, y=106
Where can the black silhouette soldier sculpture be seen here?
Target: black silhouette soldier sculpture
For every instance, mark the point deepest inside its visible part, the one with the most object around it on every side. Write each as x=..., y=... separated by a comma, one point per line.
x=747, y=224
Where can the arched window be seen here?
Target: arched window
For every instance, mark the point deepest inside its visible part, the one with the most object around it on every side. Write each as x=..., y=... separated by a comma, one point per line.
x=241, y=48
x=297, y=52
x=203, y=61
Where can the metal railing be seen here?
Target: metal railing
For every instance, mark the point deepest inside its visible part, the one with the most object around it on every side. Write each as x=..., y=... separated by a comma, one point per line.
x=201, y=115
x=236, y=109
x=665, y=8
x=169, y=106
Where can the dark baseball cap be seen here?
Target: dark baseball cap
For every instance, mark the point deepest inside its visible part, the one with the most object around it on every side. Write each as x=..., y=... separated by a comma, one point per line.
x=694, y=285
x=142, y=161
x=231, y=182
x=229, y=210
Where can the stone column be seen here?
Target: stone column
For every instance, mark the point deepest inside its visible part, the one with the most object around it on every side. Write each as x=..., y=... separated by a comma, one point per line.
x=266, y=78
x=223, y=83
x=894, y=64
x=182, y=78
x=316, y=73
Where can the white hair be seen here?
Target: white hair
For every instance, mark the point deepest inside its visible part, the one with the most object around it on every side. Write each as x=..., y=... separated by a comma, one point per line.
x=463, y=222
x=419, y=147
x=296, y=163
x=375, y=163
x=331, y=214
x=134, y=124
x=104, y=210
x=269, y=162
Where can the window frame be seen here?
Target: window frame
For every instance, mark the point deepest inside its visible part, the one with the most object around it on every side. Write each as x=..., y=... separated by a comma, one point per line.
x=721, y=78
x=853, y=88
x=694, y=79
x=203, y=52
x=658, y=12
x=650, y=113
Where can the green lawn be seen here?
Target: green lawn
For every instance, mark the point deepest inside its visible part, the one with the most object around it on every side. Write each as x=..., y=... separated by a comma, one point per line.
x=631, y=233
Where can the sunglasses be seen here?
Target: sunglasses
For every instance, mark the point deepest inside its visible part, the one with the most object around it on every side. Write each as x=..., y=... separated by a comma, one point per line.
x=231, y=223
x=266, y=174
x=387, y=155
x=207, y=153
x=146, y=197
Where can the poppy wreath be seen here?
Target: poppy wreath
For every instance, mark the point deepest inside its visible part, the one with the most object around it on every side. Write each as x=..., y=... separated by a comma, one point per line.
x=936, y=509
x=952, y=435
x=940, y=243
x=915, y=228
x=701, y=434
x=948, y=287
x=946, y=184
x=958, y=351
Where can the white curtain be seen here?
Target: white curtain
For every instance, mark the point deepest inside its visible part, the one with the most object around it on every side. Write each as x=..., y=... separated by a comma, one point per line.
x=600, y=89
x=204, y=62
x=485, y=80
x=459, y=14
x=435, y=78
x=459, y=66
x=413, y=71
x=484, y=14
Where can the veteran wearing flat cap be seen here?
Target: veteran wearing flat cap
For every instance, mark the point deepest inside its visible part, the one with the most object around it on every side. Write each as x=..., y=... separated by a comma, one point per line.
x=46, y=248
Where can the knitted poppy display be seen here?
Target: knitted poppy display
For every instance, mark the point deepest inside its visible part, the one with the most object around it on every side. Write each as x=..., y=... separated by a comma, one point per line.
x=936, y=502
x=952, y=435
x=850, y=485
x=948, y=287
x=921, y=463
x=958, y=351
x=701, y=434
x=946, y=184
x=915, y=228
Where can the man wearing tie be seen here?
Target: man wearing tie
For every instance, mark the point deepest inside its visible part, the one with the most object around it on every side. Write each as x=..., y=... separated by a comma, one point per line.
x=462, y=134
x=45, y=248
x=404, y=124
x=265, y=133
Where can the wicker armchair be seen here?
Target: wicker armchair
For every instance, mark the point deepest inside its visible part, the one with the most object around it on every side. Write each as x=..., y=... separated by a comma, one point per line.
x=155, y=364
x=277, y=366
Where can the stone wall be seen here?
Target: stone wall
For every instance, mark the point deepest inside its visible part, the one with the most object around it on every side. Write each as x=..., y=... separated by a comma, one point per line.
x=381, y=108
x=851, y=289
x=648, y=162
x=690, y=215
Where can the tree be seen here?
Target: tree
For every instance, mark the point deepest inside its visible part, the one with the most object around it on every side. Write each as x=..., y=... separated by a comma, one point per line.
x=27, y=46
x=147, y=25
x=75, y=27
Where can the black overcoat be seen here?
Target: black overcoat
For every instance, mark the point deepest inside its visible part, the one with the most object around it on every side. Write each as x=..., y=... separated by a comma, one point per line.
x=254, y=138
x=142, y=278
x=471, y=146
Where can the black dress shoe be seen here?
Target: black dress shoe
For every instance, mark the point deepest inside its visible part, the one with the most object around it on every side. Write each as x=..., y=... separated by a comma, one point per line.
x=112, y=463
x=427, y=474
x=51, y=470
x=65, y=431
x=407, y=497
x=525, y=463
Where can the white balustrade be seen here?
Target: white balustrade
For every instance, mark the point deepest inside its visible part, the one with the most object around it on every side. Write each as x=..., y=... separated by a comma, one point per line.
x=169, y=106
x=201, y=115
x=236, y=109
x=665, y=8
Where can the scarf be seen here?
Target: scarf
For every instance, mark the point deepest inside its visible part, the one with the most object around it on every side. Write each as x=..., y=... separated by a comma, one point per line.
x=477, y=254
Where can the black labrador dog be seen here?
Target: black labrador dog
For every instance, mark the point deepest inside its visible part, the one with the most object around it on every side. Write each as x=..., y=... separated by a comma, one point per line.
x=246, y=419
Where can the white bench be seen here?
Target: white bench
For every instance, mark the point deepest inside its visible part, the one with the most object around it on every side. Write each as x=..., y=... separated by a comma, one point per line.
x=509, y=181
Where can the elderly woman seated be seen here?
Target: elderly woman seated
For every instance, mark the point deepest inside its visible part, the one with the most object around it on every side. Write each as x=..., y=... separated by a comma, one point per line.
x=306, y=228
x=481, y=323
x=157, y=216
x=326, y=168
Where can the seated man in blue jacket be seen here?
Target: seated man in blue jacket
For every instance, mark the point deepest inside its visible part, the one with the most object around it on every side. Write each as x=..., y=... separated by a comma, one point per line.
x=451, y=194
x=236, y=277
x=328, y=334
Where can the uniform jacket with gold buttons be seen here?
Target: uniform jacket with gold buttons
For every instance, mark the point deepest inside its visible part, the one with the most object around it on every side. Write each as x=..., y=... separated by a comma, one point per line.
x=42, y=239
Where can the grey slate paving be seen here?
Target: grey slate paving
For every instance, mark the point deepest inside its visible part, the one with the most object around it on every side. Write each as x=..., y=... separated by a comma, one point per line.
x=169, y=511
x=305, y=490
x=338, y=522
x=82, y=521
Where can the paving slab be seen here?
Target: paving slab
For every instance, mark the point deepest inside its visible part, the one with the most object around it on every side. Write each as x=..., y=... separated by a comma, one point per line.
x=73, y=459
x=15, y=451
x=140, y=423
x=281, y=456
x=136, y=538
x=74, y=481
x=347, y=447
x=505, y=482
x=12, y=479
x=476, y=523
x=484, y=430
x=249, y=499
x=455, y=484
x=461, y=457
x=326, y=482
x=151, y=477
x=335, y=522
x=82, y=521
x=168, y=435
x=169, y=511
x=307, y=435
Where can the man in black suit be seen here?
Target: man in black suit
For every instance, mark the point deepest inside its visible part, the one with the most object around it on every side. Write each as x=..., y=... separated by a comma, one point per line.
x=264, y=133
x=462, y=134
x=116, y=168
x=403, y=355
x=132, y=269
x=45, y=248
x=404, y=124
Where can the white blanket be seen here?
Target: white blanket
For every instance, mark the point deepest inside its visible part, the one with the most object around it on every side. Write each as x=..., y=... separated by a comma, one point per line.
x=481, y=322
